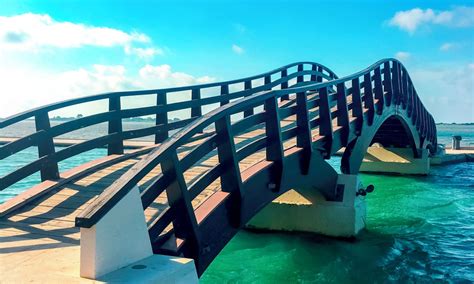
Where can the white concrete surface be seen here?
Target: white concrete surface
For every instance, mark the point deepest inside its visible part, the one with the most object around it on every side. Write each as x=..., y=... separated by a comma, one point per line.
x=395, y=160
x=293, y=212
x=156, y=269
x=117, y=240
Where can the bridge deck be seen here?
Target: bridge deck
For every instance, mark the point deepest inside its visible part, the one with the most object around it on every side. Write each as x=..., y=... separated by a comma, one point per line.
x=46, y=224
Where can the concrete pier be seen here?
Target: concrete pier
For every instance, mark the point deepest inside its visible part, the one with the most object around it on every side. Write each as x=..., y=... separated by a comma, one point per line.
x=294, y=212
x=451, y=156
x=395, y=160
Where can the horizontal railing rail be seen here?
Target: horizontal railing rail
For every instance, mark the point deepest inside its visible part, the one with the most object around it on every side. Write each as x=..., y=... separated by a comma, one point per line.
x=328, y=114
x=45, y=132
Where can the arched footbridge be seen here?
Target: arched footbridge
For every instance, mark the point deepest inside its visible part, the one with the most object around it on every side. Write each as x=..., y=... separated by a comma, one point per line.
x=242, y=144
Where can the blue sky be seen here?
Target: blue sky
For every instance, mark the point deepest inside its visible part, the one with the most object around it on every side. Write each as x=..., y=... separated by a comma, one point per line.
x=53, y=50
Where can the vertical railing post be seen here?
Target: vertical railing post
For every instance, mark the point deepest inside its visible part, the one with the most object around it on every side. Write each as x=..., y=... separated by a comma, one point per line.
x=267, y=81
x=319, y=79
x=378, y=91
x=224, y=92
x=418, y=113
x=387, y=83
x=162, y=118
x=342, y=113
x=369, y=97
x=300, y=78
x=325, y=121
x=49, y=170
x=184, y=223
x=357, y=106
x=115, y=127
x=284, y=84
x=314, y=76
x=395, y=84
x=414, y=111
x=274, y=149
x=247, y=87
x=231, y=179
x=423, y=125
x=303, y=137
x=410, y=99
x=404, y=81
x=196, y=111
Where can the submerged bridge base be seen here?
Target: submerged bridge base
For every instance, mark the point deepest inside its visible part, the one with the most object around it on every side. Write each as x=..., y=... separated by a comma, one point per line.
x=302, y=212
x=395, y=161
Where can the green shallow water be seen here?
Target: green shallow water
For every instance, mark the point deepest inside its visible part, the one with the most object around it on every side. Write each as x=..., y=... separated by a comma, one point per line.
x=419, y=230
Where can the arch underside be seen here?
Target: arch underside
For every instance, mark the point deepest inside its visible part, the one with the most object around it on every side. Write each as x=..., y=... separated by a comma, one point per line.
x=393, y=128
x=224, y=216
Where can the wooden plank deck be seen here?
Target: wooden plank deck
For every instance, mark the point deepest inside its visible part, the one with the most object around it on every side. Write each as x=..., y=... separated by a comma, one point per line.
x=45, y=226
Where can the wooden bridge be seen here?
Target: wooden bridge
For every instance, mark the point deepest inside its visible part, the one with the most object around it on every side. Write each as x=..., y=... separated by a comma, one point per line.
x=262, y=136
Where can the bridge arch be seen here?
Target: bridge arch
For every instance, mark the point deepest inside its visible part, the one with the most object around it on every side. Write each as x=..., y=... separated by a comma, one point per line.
x=393, y=129
x=290, y=131
x=347, y=112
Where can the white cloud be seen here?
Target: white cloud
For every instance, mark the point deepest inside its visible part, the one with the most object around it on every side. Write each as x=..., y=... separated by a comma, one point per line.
x=240, y=28
x=163, y=76
x=237, y=49
x=447, y=46
x=34, y=32
x=144, y=53
x=24, y=89
x=411, y=20
x=402, y=55
x=446, y=91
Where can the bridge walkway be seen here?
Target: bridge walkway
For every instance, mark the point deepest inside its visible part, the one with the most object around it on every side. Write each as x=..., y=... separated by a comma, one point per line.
x=48, y=221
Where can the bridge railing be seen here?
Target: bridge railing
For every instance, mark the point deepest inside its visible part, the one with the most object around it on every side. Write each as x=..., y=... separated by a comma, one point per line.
x=165, y=104
x=326, y=113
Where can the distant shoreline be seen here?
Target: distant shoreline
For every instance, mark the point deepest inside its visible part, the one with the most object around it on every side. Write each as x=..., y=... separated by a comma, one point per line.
x=455, y=123
x=177, y=119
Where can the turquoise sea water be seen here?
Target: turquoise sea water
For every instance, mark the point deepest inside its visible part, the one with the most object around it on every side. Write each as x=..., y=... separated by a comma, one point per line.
x=419, y=230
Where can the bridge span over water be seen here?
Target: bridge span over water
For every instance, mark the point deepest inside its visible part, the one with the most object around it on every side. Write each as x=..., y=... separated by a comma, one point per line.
x=242, y=144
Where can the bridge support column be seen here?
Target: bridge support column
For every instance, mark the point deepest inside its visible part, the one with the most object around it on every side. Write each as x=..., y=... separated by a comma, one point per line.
x=118, y=249
x=395, y=160
x=308, y=211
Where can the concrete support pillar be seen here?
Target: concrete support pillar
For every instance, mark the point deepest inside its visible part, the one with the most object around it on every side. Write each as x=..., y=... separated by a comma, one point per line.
x=118, y=249
x=395, y=160
x=117, y=240
x=310, y=212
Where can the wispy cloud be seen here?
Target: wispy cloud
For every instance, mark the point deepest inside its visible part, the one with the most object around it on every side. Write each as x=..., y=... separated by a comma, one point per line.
x=240, y=28
x=446, y=90
x=36, y=32
x=411, y=20
x=447, y=46
x=144, y=53
x=237, y=49
x=49, y=87
x=402, y=55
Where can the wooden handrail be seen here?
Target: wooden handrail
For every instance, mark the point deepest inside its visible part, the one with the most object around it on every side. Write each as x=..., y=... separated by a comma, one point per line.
x=115, y=114
x=367, y=96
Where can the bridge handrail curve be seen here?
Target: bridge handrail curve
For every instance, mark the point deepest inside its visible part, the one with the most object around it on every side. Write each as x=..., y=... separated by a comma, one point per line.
x=395, y=88
x=54, y=106
x=47, y=163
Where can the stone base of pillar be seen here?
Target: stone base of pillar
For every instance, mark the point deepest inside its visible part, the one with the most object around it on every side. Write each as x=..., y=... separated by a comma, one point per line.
x=297, y=212
x=395, y=160
x=155, y=269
